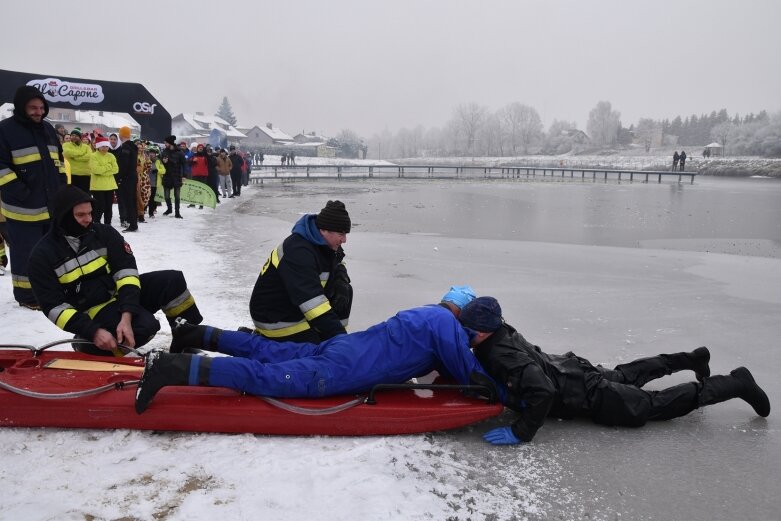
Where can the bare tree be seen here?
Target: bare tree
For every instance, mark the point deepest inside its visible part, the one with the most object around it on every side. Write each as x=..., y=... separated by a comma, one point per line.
x=491, y=136
x=523, y=125
x=468, y=119
x=603, y=124
x=649, y=133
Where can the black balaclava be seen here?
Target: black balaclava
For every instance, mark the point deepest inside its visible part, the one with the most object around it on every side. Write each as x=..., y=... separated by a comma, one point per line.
x=66, y=198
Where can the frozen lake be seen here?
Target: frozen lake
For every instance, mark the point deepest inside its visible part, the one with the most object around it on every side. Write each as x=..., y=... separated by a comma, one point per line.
x=612, y=271
x=741, y=216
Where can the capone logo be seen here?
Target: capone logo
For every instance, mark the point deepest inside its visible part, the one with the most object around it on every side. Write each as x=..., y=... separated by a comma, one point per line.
x=142, y=107
x=56, y=90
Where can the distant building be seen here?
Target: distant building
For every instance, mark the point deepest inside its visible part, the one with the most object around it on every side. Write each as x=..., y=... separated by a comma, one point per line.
x=312, y=137
x=197, y=127
x=263, y=136
x=715, y=149
x=576, y=136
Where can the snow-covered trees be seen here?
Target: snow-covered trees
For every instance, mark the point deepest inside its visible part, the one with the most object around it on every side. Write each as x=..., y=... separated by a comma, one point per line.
x=603, y=124
x=226, y=112
x=523, y=126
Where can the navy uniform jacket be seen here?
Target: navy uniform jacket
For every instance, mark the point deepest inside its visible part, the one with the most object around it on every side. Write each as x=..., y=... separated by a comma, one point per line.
x=31, y=168
x=72, y=286
x=289, y=295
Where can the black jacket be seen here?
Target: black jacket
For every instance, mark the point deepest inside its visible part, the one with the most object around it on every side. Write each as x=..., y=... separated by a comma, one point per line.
x=537, y=384
x=290, y=293
x=127, y=161
x=71, y=285
x=174, y=167
x=32, y=167
x=236, y=162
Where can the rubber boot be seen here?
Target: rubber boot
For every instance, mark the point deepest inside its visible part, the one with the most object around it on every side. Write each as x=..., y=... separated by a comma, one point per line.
x=163, y=369
x=168, y=209
x=739, y=384
x=191, y=336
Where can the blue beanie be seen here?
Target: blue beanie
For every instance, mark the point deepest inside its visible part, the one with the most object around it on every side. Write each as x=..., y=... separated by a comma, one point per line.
x=482, y=314
x=459, y=295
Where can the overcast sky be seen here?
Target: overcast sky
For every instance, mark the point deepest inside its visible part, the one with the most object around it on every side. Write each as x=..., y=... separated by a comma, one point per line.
x=368, y=65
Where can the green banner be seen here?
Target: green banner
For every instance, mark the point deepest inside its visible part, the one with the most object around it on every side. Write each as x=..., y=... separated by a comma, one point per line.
x=192, y=192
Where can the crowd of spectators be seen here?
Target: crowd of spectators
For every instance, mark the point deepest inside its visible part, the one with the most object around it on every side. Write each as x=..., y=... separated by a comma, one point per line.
x=223, y=170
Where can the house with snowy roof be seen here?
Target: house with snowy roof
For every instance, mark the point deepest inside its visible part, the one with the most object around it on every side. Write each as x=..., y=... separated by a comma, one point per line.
x=197, y=127
x=268, y=135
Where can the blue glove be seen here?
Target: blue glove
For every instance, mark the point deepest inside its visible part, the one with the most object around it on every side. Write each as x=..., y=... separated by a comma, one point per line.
x=501, y=436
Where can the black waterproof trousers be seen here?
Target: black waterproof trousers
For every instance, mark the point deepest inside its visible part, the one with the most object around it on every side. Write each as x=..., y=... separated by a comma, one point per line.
x=160, y=290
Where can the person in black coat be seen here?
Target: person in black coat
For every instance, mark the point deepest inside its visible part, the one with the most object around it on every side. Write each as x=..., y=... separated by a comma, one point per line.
x=682, y=160
x=539, y=385
x=676, y=158
x=236, y=163
x=127, y=178
x=174, y=162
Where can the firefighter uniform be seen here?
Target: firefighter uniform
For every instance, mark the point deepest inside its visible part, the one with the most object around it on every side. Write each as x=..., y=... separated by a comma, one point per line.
x=303, y=293
x=31, y=172
x=85, y=278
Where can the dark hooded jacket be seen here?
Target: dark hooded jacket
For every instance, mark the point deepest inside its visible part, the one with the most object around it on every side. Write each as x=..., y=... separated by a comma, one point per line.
x=290, y=293
x=32, y=167
x=174, y=167
x=75, y=271
x=537, y=384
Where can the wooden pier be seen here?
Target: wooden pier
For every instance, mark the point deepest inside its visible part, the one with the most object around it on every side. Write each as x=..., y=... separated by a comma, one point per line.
x=259, y=173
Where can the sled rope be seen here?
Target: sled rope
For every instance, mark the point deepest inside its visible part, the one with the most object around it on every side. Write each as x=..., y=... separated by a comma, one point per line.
x=40, y=349
x=64, y=396
x=313, y=412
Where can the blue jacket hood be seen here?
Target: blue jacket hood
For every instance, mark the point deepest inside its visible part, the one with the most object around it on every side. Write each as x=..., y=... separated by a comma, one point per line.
x=307, y=228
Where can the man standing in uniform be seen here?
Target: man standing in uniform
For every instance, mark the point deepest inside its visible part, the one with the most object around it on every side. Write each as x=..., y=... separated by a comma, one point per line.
x=127, y=178
x=303, y=293
x=85, y=277
x=32, y=169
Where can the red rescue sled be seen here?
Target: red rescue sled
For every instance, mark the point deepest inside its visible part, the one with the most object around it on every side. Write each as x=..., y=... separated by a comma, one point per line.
x=24, y=374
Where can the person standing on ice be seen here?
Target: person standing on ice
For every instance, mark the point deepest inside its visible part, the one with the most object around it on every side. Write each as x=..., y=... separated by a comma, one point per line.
x=412, y=343
x=537, y=385
x=303, y=292
x=85, y=278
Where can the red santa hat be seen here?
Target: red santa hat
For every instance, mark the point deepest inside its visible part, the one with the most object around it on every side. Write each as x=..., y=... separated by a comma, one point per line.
x=102, y=142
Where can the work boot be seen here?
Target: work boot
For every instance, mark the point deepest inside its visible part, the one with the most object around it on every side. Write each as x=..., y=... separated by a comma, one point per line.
x=700, y=358
x=739, y=384
x=178, y=215
x=167, y=211
x=186, y=335
x=163, y=369
x=751, y=392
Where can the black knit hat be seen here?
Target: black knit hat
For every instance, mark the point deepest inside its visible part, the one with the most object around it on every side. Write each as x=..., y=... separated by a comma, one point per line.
x=171, y=140
x=482, y=314
x=334, y=217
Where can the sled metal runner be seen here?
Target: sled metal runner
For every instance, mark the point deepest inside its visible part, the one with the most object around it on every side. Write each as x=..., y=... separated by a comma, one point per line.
x=403, y=409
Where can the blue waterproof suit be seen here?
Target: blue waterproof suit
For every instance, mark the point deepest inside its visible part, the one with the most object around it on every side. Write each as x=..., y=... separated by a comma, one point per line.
x=412, y=343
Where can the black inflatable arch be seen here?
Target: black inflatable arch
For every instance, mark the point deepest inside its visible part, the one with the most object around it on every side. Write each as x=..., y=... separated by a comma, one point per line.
x=84, y=94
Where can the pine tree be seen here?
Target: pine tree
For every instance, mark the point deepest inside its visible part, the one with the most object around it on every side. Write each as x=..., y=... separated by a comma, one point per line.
x=226, y=112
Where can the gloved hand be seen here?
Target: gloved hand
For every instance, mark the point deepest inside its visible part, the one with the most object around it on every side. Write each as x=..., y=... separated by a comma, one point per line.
x=501, y=436
x=3, y=261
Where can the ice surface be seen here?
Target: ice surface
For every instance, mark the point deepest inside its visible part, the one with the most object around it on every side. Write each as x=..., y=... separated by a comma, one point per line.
x=608, y=303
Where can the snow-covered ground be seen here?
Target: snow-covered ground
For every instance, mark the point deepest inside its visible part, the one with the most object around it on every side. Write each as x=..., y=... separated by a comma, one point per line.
x=610, y=304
